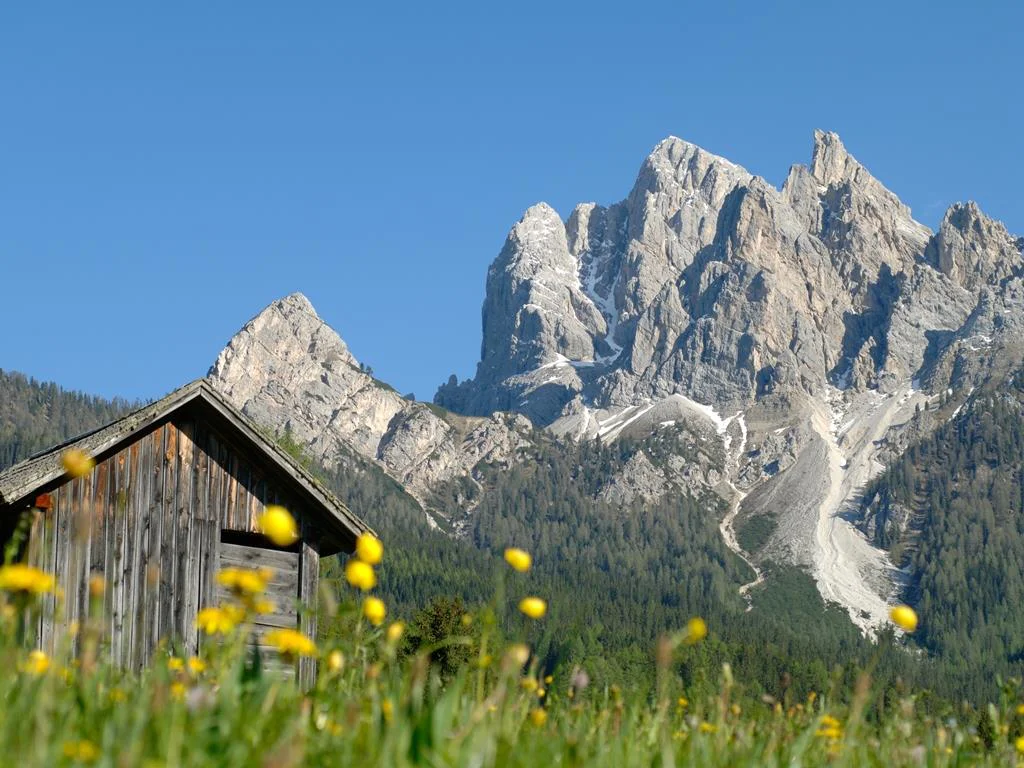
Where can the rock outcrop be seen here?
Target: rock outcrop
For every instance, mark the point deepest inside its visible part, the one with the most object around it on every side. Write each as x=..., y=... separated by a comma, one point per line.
x=289, y=371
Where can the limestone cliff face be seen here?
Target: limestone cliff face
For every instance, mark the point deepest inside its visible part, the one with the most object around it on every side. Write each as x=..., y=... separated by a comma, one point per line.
x=707, y=281
x=288, y=370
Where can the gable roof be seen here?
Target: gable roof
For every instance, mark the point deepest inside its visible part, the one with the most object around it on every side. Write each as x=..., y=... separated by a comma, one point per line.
x=28, y=477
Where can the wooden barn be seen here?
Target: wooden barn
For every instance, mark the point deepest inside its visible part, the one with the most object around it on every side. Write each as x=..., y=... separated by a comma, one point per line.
x=174, y=497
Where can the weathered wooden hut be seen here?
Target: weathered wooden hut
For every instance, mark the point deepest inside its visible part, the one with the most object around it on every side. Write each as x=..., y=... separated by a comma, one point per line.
x=174, y=497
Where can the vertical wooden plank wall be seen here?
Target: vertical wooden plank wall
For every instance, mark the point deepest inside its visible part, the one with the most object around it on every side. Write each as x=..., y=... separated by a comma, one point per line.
x=148, y=519
x=309, y=579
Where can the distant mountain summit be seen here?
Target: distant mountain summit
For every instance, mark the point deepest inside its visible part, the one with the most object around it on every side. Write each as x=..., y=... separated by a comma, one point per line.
x=708, y=281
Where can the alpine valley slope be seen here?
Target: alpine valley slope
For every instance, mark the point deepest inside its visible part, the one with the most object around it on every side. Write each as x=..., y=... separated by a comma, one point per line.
x=791, y=335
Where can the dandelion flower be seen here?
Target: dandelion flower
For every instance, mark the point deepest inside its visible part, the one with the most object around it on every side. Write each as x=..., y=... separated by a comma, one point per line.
x=1019, y=744
x=37, y=664
x=83, y=751
x=290, y=642
x=529, y=684
x=374, y=610
x=178, y=691
x=706, y=727
x=369, y=549
x=217, y=621
x=533, y=607
x=26, y=580
x=518, y=653
x=264, y=606
x=245, y=582
x=196, y=665
x=696, y=630
x=335, y=661
x=903, y=616
x=77, y=463
x=97, y=586
x=538, y=717
x=519, y=559
x=175, y=664
x=395, y=631
x=360, y=575
x=278, y=525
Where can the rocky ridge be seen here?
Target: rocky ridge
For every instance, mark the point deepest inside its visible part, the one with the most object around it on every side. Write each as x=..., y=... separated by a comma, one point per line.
x=805, y=326
x=775, y=346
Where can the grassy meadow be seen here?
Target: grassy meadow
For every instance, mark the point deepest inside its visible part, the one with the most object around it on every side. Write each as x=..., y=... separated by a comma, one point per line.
x=476, y=696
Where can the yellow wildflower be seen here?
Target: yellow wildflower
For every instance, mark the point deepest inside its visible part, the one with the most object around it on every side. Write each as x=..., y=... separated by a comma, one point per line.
x=217, y=621
x=336, y=661
x=245, y=582
x=264, y=606
x=538, y=716
x=388, y=710
x=178, y=691
x=77, y=463
x=519, y=559
x=903, y=616
x=290, y=642
x=360, y=575
x=83, y=751
x=374, y=610
x=1019, y=744
x=533, y=607
x=278, y=525
x=117, y=695
x=828, y=721
x=38, y=662
x=175, y=664
x=696, y=630
x=1020, y=709
x=529, y=684
x=369, y=549
x=828, y=732
x=97, y=586
x=26, y=580
x=395, y=631
x=706, y=727
x=518, y=653
x=196, y=665
x=549, y=679
x=682, y=702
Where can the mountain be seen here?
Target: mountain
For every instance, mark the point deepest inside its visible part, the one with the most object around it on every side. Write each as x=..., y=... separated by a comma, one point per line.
x=776, y=408
x=292, y=373
x=772, y=348
x=805, y=325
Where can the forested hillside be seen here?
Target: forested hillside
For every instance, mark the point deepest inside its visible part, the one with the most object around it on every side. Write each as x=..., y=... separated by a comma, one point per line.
x=950, y=510
x=37, y=415
x=616, y=577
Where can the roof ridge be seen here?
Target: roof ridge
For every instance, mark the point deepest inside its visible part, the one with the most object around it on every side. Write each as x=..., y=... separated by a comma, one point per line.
x=25, y=477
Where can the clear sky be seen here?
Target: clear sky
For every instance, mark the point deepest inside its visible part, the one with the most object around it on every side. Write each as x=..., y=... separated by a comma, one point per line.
x=168, y=169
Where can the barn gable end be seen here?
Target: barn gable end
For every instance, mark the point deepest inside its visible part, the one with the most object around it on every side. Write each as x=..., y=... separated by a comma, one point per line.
x=174, y=496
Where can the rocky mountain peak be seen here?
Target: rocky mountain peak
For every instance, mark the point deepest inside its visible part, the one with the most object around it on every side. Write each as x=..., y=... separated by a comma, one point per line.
x=972, y=249
x=290, y=371
x=831, y=163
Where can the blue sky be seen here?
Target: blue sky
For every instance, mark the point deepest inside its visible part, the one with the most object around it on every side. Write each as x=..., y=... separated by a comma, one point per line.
x=166, y=170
